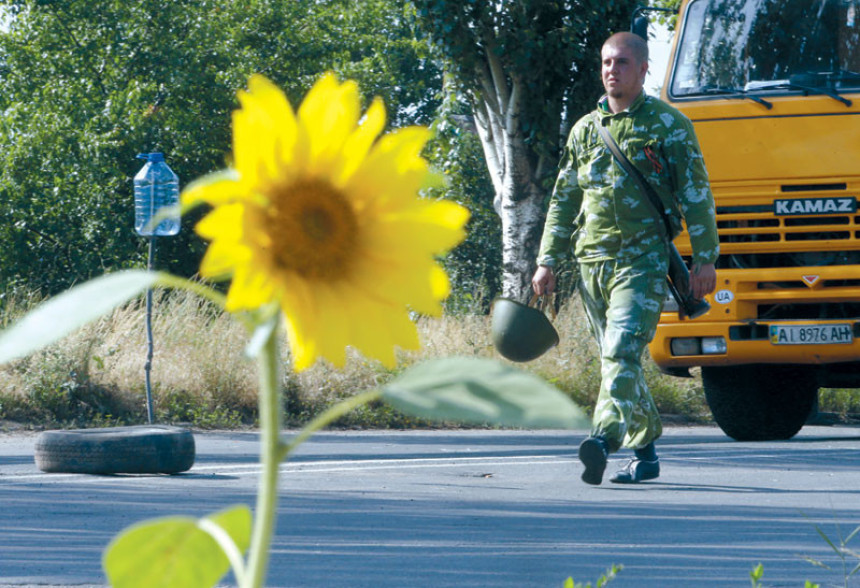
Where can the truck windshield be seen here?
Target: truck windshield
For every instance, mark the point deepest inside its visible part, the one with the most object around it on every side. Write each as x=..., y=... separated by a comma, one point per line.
x=768, y=47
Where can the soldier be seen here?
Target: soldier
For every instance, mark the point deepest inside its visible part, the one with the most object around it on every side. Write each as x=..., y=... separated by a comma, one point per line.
x=620, y=245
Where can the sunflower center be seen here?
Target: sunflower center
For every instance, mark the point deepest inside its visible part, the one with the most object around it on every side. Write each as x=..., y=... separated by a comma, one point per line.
x=313, y=229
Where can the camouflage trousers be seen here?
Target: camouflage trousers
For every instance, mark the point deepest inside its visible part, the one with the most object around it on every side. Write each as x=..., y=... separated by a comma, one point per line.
x=623, y=303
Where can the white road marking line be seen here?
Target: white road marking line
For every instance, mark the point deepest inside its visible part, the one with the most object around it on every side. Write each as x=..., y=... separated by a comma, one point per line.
x=313, y=467
x=387, y=461
x=330, y=466
x=414, y=466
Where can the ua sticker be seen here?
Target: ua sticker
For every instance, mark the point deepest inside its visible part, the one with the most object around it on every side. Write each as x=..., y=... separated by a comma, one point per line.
x=724, y=296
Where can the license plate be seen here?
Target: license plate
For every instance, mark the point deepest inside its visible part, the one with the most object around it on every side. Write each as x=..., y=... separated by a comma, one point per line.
x=811, y=334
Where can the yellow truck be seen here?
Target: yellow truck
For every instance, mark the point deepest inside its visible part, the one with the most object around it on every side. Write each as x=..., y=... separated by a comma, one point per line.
x=773, y=90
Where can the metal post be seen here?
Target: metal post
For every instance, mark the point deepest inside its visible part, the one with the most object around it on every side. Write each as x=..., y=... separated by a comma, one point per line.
x=148, y=365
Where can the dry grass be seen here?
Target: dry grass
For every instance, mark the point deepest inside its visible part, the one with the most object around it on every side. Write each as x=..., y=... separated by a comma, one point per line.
x=197, y=352
x=198, y=372
x=200, y=375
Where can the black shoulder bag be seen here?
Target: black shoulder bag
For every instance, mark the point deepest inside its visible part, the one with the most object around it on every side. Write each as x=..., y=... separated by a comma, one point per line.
x=679, y=275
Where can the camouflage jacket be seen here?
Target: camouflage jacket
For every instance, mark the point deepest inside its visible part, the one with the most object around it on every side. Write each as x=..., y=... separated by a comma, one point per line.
x=596, y=202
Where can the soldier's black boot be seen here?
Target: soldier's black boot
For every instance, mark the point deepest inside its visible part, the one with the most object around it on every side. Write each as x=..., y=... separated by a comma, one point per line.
x=593, y=453
x=645, y=466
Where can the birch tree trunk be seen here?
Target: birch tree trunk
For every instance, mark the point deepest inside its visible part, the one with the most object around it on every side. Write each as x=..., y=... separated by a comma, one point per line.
x=515, y=172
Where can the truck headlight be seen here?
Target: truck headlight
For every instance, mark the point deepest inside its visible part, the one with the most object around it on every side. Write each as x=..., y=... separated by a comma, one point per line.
x=698, y=346
x=685, y=346
x=714, y=345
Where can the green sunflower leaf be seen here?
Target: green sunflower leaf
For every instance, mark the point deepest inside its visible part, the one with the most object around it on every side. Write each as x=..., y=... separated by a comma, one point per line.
x=176, y=552
x=67, y=312
x=482, y=391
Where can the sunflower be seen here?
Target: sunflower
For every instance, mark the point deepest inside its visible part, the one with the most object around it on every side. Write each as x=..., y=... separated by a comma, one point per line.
x=321, y=215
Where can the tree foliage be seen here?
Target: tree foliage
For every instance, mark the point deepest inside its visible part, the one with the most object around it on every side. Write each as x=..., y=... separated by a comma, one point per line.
x=85, y=85
x=542, y=56
x=528, y=70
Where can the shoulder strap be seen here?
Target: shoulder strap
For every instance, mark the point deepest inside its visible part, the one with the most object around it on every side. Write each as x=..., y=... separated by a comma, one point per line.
x=633, y=172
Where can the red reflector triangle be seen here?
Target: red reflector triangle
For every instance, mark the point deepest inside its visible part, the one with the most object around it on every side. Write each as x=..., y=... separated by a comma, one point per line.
x=810, y=280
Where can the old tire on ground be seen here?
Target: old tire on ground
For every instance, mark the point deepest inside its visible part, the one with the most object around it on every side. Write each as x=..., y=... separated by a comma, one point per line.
x=760, y=402
x=147, y=449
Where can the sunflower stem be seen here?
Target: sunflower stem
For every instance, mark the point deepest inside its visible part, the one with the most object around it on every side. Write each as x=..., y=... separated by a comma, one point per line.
x=328, y=417
x=270, y=454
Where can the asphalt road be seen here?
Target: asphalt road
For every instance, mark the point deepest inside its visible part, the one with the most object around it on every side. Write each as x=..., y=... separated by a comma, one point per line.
x=466, y=508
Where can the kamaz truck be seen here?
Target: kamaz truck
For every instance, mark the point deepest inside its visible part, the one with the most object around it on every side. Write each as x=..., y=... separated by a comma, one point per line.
x=773, y=90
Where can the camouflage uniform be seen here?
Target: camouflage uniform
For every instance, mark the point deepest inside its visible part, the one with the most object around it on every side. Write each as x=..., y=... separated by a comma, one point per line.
x=620, y=246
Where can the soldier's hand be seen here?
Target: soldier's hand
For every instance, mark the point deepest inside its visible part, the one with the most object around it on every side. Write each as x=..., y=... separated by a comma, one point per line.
x=543, y=282
x=703, y=280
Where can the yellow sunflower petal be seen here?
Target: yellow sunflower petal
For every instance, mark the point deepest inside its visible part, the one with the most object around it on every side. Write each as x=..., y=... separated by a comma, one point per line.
x=221, y=258
x=300, y=311
x=393, y=171
x=399, y=250
x=314, y=335
x=358, y=144
x=403, y=148
x=220, y=187
x=403, y=281
x=298, y=300
x=392, y=326
x=329, y=114
x=265, y=131
x=441, y=223
x=250, y=289
x=335, y=325
x=303, y=349
x=425, y=231
x=250, y=157
x=223, y=222
x=439, y=283
x=273, y=101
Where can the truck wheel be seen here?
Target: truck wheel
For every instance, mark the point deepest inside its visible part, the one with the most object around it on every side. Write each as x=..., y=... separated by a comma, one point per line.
x=760, y=402
x=117, y=450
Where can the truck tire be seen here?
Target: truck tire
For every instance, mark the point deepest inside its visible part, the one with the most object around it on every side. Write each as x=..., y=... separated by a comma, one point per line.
x=760, y=402
x=117, y=450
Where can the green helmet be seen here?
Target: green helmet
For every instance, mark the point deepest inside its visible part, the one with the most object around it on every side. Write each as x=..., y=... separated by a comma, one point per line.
x=520, y=332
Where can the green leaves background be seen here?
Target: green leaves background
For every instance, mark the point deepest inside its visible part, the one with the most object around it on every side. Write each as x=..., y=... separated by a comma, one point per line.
x=85, y=85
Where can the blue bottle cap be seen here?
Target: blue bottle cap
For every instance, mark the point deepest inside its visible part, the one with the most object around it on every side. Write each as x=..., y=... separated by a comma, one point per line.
x=151, y=157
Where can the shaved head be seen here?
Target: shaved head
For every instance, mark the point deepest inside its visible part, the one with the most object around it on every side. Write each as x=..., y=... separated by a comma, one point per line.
x=624, y=65
x=632, y=41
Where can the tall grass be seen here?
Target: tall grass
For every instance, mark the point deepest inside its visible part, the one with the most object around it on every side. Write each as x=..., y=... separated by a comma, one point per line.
x=97, y=374
x=201, y=376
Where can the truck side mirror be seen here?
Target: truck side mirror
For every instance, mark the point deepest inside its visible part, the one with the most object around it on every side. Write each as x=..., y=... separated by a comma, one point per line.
x=639, y=25
x=639, y=22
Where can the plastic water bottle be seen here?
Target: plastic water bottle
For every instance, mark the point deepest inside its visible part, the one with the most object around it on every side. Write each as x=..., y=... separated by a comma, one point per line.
x=155, y=186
